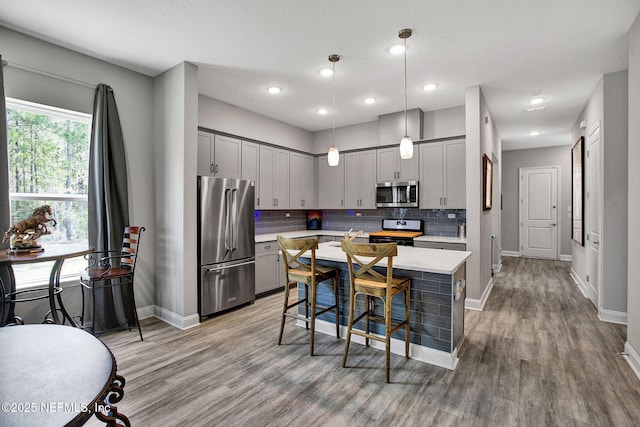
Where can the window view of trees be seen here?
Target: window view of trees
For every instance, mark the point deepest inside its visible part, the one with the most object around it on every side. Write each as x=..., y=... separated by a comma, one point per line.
x=48, y=163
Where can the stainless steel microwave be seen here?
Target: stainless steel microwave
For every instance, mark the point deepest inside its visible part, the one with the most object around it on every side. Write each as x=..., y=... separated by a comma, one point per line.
x=397, y=194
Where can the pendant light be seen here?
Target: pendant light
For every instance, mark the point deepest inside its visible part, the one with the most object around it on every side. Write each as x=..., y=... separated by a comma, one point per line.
x=406, y=145
x=334, y=155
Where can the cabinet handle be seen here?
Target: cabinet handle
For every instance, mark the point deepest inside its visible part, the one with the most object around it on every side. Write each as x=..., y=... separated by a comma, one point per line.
x=267, y=247
x=216, y=168
x=341, y=202
x=445, y=201
x=258, y=202
x=211, y=168
x=302, y=202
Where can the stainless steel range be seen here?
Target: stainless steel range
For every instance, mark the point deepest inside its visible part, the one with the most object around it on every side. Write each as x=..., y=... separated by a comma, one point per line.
x=400, y=231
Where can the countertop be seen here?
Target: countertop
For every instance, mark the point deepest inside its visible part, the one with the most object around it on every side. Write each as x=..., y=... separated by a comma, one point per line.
x=261, y=238
x=409, y=258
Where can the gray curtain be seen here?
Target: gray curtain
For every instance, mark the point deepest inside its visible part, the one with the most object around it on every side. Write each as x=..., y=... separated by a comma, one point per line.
x=5, y=274
x=108, y=201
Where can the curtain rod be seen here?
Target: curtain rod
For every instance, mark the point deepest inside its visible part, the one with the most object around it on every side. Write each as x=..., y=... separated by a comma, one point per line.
x=46, y=74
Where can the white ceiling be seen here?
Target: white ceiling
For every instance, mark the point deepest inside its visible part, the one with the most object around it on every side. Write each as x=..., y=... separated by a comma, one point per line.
x=510, y=48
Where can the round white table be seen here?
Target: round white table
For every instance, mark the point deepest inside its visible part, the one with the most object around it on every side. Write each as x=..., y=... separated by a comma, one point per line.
x=55, y=375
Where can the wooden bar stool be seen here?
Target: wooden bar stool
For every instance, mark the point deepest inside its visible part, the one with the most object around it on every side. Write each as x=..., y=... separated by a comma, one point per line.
x=368, y=282
x=309, y=275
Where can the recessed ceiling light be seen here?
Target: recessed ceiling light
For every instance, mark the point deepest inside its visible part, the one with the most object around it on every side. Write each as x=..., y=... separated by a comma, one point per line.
x=397, y=49
x=369, y=100
x=542, y=107
x=322, y=111
x=326, y=72
x=536, y=101
x=534, y=133
x=430, y=86
x=274, y=90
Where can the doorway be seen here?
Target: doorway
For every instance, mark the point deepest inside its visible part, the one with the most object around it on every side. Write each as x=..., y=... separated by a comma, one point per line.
x=539, y=212
x=594, y=194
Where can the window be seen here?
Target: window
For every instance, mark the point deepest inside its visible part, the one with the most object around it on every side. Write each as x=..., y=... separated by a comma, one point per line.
x=49, y=164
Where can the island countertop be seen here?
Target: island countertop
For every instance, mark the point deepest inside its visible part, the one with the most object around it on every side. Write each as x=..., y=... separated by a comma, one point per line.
x=269, y=237
x=440, y=261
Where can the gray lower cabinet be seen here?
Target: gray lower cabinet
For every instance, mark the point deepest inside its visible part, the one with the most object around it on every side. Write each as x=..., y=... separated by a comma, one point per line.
x=268, y=266
x=440, y=245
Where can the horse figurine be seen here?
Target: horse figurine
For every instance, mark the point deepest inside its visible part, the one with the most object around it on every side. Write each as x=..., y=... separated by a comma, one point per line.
x=29, y=230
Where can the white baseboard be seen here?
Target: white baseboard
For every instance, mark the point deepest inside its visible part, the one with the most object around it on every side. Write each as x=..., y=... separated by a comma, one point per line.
x=611, y=316
x=633, y=359
x=511, y=253
x=416, y=352
x=565, y=257
x=146, y=312
x=176, y=320
x=579, y=283
x=478, y=304
x=497, y=267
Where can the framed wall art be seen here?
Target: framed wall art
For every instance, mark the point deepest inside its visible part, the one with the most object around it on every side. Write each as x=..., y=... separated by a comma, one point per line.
x=487, y=180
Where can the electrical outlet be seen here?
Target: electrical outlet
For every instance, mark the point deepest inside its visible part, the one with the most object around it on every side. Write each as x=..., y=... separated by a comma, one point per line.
x=451, y=216
x=358, y=213
x=287, y=214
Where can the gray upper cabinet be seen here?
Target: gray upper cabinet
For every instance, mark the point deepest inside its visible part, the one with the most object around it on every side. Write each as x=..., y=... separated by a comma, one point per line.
x=302, y=188
x=274, y=178
x=330, y=184
x=390, y=167
x=218, y=156
x=251, y=165
x=360, y=180
x=442, y=182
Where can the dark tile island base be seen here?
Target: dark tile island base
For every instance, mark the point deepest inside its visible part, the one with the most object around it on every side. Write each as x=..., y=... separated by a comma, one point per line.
x=437, y=306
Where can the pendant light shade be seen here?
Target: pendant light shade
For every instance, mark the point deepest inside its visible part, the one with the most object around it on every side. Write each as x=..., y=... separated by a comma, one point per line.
x=406, y=144
x=333, y=157
x=406, y=148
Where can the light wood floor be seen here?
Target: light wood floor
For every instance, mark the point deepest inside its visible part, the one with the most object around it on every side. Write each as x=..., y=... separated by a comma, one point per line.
x=537, y=355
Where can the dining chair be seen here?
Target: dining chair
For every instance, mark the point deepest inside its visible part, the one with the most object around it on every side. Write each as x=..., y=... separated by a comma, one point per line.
x=310, y=275
x=372, y=284
x=109, y=269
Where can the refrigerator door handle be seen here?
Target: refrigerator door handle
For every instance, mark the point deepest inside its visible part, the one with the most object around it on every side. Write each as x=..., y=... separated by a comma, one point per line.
x=227, y=212
x=234, y=219
x=226, y=267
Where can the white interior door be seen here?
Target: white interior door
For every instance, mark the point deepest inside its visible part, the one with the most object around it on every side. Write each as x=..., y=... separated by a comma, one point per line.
x=594, y=174
x=539, y=212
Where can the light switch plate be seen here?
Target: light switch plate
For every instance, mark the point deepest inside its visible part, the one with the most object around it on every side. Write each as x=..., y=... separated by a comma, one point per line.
x=451, y=216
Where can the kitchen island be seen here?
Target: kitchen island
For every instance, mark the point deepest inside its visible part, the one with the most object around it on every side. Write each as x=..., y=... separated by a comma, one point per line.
x=437, y=301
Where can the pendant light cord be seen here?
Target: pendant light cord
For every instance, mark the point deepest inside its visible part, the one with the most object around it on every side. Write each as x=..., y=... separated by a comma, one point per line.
x=405, y=88
x=333, y=125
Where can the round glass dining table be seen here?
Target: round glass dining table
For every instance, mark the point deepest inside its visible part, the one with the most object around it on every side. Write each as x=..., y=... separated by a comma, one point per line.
x=54, y=252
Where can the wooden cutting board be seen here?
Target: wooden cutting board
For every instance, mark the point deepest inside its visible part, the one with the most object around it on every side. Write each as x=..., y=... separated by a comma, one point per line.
x=409, y=234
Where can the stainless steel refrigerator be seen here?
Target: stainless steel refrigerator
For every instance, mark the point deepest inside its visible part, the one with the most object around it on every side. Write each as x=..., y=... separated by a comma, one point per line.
x=226, y=243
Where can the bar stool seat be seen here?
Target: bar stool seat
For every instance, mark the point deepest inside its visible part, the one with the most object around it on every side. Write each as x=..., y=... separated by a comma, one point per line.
x=370, y=283
x=310, y=275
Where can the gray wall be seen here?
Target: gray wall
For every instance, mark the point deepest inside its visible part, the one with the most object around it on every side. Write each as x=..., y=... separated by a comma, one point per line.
x=436, y=124
x=175, y=134
x=633, y=267
x=609, y=106
x=614, y=197
x=482, y=138
x=223, y=117
x=133, y=93
x=511, y=162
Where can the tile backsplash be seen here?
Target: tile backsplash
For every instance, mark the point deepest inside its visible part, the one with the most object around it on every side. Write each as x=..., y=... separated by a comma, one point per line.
x=436, y=221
